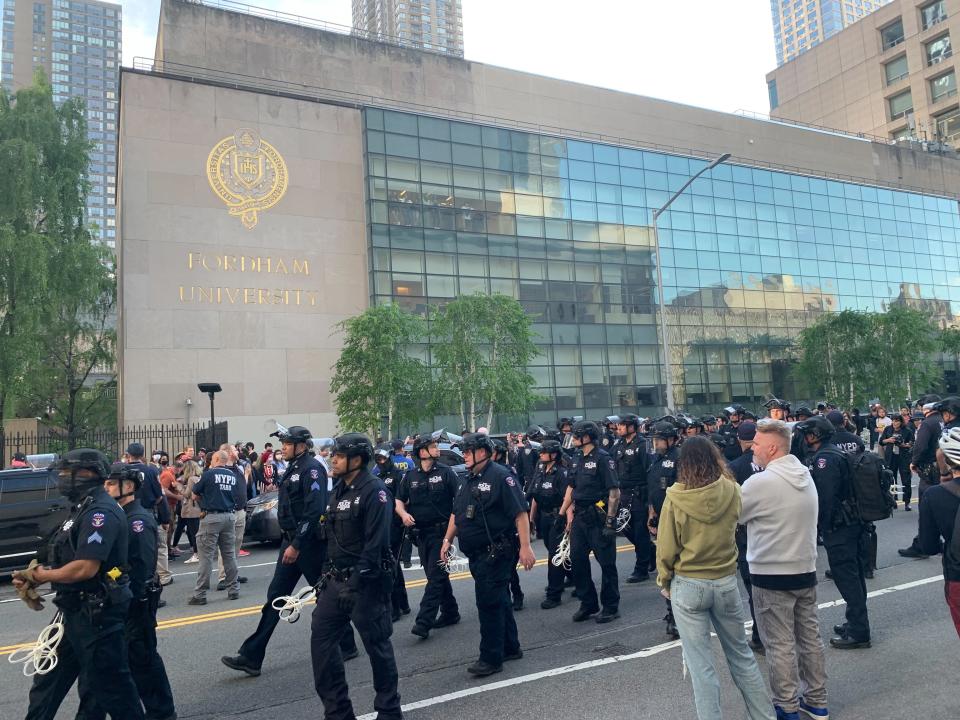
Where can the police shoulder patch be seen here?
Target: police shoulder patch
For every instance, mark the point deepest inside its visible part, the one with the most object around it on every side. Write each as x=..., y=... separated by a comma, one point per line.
x=510, y=481
x=137, y=526
x=383, y=496
x=821, y=463
x=94, y=537
x=314, y=474
x=612, y=464
x=98, y=519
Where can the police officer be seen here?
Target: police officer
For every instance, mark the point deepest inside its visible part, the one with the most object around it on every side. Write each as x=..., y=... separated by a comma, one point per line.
x=301, y=500
x=777, y=409
x=356, y=582
x=565, y=428
x=501, y=457
x=527, y=456
x=610, y=436
x=424, y=504
x=798, y=445
x=487, y=511
x=391, y=475
x=853, y=446
x=591, y=505
x=633, y=459
x=87, y=572
x=733, y=415
x=661, y=474
x=840, y=525
x=924, y=459
x=546, y=496
x=146, y=665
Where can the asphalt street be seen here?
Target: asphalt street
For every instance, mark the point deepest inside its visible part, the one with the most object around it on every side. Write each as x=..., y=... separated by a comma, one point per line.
x=626, y=669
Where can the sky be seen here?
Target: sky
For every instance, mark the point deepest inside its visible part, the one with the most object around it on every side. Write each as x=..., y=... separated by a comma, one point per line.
x=709, y=53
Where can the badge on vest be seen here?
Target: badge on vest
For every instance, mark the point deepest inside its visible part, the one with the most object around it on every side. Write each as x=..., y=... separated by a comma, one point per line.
x=668, y=463
x=343, y=505
x=484, y=487
x=295, y=477
x=67, y=525
x=590, y=465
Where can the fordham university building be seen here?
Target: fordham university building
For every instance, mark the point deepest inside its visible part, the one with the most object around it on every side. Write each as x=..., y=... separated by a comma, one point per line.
x=277, y=178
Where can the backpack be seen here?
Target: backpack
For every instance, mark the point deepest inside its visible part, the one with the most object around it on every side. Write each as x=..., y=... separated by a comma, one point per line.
x=871, y=482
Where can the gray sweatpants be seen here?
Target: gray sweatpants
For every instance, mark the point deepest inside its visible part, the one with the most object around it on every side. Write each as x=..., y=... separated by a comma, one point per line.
x=790, y=632
x=216, y=533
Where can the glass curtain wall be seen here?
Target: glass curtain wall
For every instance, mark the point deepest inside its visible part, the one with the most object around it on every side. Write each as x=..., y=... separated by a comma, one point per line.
x=751, y=256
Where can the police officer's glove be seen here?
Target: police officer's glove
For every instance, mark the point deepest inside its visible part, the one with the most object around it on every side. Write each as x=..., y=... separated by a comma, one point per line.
x=610, y=527
x=27, y=591
x=347, y=599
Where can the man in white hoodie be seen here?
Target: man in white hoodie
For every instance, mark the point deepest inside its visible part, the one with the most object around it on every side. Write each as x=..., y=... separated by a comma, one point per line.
x=780, y=513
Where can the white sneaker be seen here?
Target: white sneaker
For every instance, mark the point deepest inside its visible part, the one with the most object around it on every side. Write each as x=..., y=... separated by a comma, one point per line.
x=193, y=559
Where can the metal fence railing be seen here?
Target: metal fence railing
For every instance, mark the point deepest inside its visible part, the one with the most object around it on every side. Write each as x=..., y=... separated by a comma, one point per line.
x=170, y=438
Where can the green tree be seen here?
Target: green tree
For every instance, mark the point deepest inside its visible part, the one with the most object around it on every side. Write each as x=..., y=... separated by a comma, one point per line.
x=77, y=337
x=44, y=155
x=481, y=346
x=950, y=342
x=376, y=376
x=835, y=354
x=909, y=341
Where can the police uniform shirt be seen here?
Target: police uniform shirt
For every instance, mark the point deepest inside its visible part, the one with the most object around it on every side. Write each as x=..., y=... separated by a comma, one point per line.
x=549, y=487
x=402, y=462
x=927, y=440
x=215, y=490
x=632, y=461
x=661, y=475
x=357, y=525
x=302, y=497
x=391, y=478
x=429, y=495
x=240, y=489
x=743, y=467
x=592, y=476
x=150, y=491
x=96, y=532
x=848, y=442
x=142, y=546
x=496, y=498
x=829, y=469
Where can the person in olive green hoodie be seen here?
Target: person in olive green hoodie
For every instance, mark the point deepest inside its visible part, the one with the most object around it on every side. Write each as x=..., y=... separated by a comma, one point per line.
x=697, y=572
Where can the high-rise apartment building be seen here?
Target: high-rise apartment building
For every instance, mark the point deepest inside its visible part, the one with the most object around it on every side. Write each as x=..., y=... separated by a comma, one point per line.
x=893, y=76
x=77, y=43
x=435, y=25
x=799, y=25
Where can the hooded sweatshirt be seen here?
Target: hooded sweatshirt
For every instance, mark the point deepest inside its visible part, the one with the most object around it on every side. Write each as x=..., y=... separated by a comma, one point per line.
x=780, y=513
x=695, y=535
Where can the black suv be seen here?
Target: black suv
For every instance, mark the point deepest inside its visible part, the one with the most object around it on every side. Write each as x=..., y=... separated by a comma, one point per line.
x=31, y=508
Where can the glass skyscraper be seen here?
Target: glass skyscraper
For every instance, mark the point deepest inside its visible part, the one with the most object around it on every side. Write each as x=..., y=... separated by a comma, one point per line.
x=750, y=256
x=799, y=25
x=78, y=44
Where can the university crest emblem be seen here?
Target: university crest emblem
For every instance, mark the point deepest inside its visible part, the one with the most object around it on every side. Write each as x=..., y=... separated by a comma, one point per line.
x=248, y=174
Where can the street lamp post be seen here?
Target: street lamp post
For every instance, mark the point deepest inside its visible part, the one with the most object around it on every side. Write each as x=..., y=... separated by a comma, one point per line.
x=211, y=389
x=664, y=339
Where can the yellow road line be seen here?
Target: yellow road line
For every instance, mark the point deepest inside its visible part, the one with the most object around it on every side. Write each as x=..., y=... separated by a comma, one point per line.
x=255, y=609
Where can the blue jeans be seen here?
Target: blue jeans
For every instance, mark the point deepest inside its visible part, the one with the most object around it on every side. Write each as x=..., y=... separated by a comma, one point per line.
x=700, y=606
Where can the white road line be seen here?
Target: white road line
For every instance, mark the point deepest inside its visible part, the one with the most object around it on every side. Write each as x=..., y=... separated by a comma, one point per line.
x=648, y=652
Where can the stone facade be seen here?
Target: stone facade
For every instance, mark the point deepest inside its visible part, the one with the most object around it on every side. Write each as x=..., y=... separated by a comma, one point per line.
x=204, y=299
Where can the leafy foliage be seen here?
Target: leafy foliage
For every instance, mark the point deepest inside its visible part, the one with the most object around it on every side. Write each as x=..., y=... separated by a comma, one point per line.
x=851, y=357
x=376, y=376
x=57, y=292
x=481, y=346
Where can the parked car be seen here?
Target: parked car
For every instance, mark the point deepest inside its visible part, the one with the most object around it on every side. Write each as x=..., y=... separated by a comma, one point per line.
x=262, y=524
x=31, y=508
